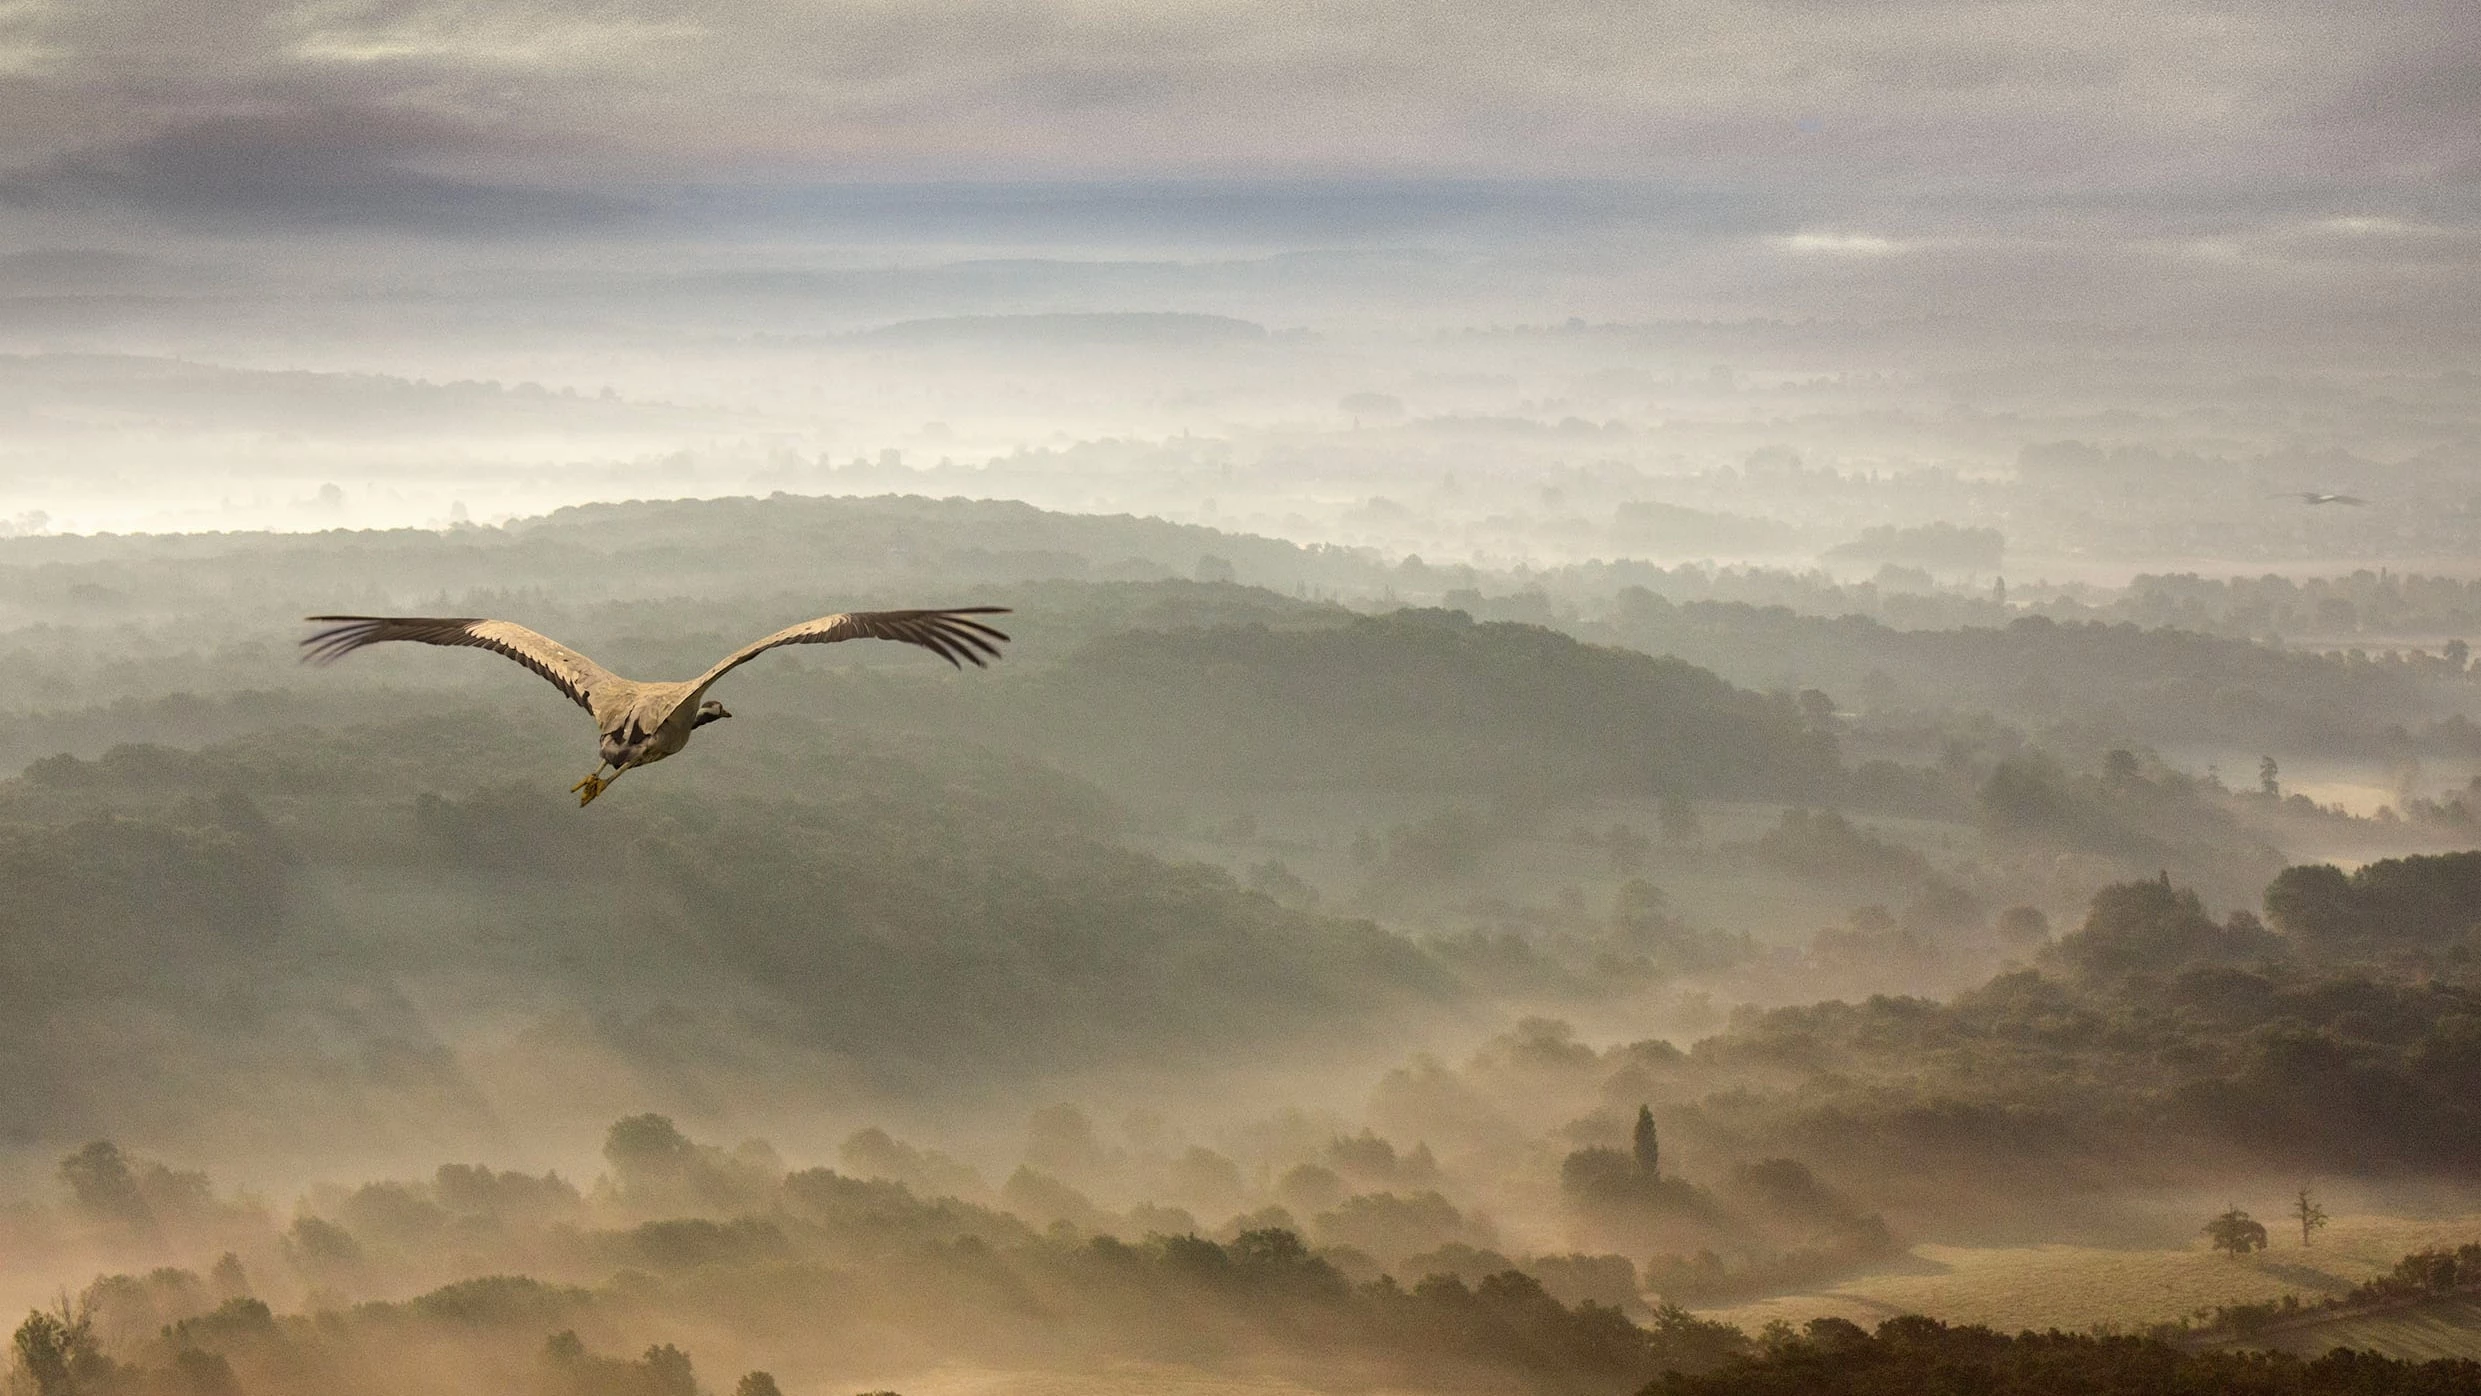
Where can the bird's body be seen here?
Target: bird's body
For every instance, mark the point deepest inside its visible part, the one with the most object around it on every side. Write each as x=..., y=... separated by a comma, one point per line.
x=2324, y=497
x=642, y=723
x=657, y=724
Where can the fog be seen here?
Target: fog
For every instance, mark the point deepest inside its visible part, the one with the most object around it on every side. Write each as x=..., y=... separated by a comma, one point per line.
x=1446, y=402
x=1692, y=699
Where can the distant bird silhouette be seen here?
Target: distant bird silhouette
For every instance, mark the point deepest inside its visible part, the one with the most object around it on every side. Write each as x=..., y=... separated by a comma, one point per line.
x=643, y=723
x=2321, y=497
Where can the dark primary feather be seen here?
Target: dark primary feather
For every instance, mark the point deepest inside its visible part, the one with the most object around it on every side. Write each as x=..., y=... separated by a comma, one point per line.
x=570, y=672
x=947, y=634
x=951, y=634
x=345, y=634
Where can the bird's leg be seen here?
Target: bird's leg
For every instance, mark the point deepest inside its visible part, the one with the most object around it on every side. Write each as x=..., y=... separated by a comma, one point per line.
x=594, y=784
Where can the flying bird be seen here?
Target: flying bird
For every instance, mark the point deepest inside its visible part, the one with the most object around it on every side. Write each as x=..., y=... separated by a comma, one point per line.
x=2322, y=497
x=643, y=723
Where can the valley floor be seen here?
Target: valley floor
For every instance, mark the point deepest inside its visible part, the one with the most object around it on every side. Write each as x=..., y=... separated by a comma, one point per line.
x=2078, y=1288
x=1129, y=1379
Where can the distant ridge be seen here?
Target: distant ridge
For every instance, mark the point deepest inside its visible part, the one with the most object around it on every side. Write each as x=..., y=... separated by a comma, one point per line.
x=1104, y=328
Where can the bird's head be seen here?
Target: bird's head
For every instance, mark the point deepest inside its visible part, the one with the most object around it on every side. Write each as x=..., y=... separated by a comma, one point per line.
x=710, y=711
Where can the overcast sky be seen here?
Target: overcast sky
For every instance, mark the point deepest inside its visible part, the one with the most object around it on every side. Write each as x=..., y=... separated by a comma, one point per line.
x=2314, y=144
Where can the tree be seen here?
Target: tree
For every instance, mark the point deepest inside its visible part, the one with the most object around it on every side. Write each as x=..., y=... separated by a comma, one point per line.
x=2121, y=769
x=1600, y=1175
x=1678, y=820
x=668, y=1372
x=758, y=1384
x=2269, y=778
x=203, y=1373
x=43, y=1354
x=106, y=1189
x=315, y=1243
x=2235, y=1232
x=231, y=1281
x=2024, y=925
x=1647, y=1148
x=1629, y=850
x=57, y=1352
x=648, y=1153
x=2424, y=900
x=2311, y=1215
x=1817, y=711
x=2030, y=794
x=2314, y=903
x=2150, y=927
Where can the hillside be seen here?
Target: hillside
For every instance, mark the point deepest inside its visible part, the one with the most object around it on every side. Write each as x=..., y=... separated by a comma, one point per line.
x=664, y=583
x=1419, y=700
x=2163, y=686
x=408, y=931
x=825, y=546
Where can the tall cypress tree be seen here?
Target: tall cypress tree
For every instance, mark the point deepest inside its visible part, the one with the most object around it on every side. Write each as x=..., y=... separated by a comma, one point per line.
x=1648, y=1151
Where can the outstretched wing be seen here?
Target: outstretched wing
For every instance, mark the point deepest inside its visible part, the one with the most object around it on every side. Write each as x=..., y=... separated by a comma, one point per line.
x=953, y=635
x=570, y=672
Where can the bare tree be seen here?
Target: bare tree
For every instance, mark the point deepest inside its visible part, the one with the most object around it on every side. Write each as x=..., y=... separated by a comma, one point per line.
x=2310, y=1215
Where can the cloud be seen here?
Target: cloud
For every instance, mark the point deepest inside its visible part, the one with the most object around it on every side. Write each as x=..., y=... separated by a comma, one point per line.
x=1205, y=87
x=602, y=39
x=314, y=166
x=1901, y=140
x=1840, y=245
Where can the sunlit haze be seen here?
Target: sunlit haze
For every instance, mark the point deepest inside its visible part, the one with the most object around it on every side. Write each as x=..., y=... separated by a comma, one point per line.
x=1683, y=699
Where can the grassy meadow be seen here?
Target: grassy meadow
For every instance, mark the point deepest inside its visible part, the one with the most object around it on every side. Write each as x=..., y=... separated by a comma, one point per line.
x=2082, y=1287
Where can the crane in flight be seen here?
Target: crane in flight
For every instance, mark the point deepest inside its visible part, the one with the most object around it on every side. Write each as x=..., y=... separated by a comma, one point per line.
x=643, y=723
x=2322, y=497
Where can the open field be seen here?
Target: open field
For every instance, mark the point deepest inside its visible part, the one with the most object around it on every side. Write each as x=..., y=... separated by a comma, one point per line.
x=1130, y=1379
x=2082, y=1287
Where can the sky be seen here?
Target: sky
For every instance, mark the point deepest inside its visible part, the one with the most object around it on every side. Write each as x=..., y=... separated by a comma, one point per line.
x=1881, y=156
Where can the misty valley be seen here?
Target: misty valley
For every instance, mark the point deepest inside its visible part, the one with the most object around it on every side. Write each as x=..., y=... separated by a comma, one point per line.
x=1433, y=698
x=1292, y=969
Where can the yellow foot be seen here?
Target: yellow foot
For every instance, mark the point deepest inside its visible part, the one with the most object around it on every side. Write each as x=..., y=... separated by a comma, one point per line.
x=585, y=790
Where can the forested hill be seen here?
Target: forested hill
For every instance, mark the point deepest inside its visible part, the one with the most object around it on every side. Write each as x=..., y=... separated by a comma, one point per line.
x=324, y=925
x=1421, y=701
x=1171, y=680
x=832, y=546
x=1410, y=702
x=2160, y=686
x=658, y=586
